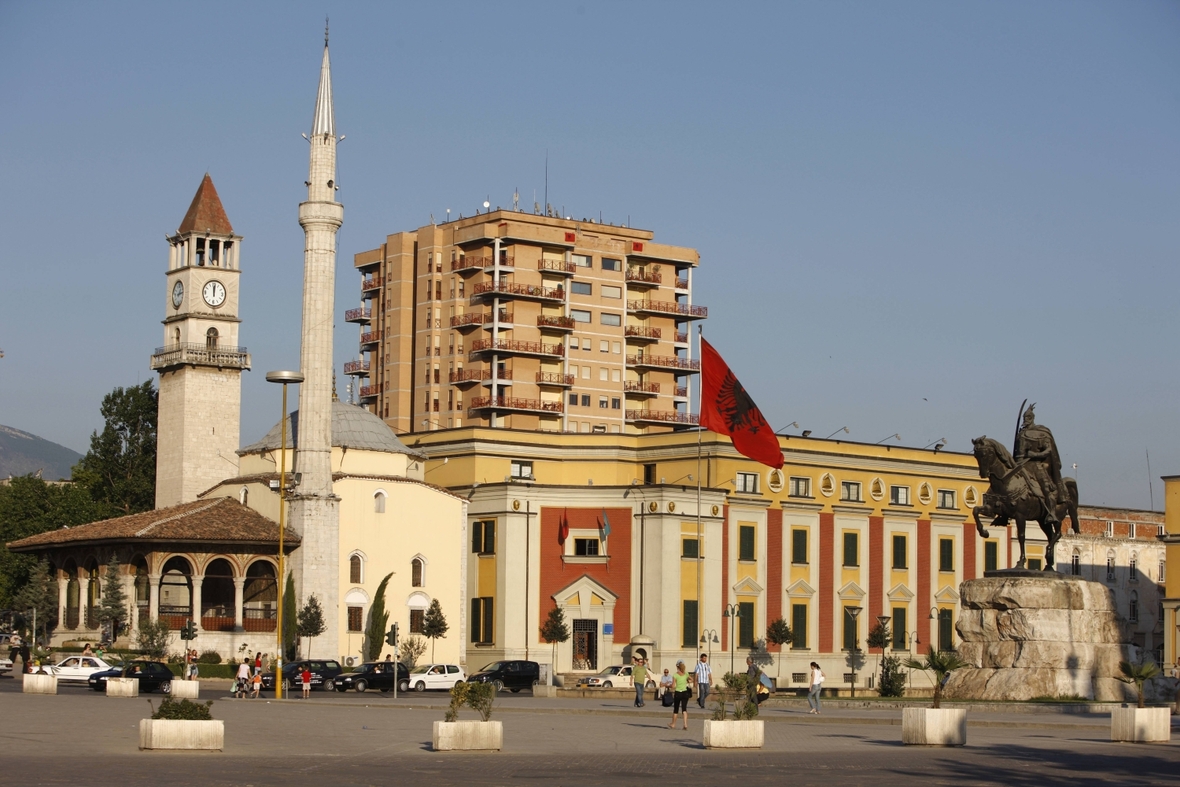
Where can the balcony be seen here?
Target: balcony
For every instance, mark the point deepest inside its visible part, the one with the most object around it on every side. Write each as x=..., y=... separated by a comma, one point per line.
x=512, y=347
x=667, y=307
x=681, y=391
x=361, y=315
x=660, y=417
x=371, y=391
x=681, y=337
x=663, y=362
x=641, y=333
x=640, y=388
x=506, y=318
x=370, y=337
x=357, y=368
x=643, y=280
x=555, y=378
x=468, y=320
x=513, y=403
x=546, y=322
x=193, y=354
x=371, y=283
x=557, y=266
x=470, y=263
x=511, y=289
x=682, y=284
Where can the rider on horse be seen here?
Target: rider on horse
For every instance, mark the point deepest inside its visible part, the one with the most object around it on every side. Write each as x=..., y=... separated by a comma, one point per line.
x=1037, y=451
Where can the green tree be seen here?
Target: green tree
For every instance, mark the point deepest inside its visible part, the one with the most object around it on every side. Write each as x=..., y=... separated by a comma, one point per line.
x=940, y=663
x=311, y=621
x=113, y=608
x=434, y=624
x=290, y=618
x=1137, y=674
x=879, y=637
x=37, y=599
x=892, y=678
x=554, y=631
x=153, y=638
x=378, y=622
x=412, y=648
x=120, y=467
x=778, y=632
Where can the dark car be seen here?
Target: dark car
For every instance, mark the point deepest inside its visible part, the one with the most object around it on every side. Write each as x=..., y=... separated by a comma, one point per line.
x=513, y=675
x=373, y=675
x=152, y=675
x=324, y=673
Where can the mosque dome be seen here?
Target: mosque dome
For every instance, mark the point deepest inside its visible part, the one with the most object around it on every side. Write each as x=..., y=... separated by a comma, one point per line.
x=353, y=427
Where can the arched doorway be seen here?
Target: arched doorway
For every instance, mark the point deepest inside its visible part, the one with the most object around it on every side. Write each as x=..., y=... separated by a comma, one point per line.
x=260, y=597
x=217, y=597
x=176, y=592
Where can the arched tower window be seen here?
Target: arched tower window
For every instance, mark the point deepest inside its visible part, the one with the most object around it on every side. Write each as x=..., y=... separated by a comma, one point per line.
x=1133, y=611
x=417, y=569
x=211, y=337
x=244, y=495
x=379, y=502
x=1133, y=567
x=356, y=570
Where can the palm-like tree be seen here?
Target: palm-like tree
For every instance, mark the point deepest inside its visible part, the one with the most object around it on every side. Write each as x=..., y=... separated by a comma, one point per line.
x=1138, y=673
x=941, y=663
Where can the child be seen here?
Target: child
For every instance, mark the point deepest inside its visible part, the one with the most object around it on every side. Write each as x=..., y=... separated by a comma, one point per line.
x=257, y=685
x=306, y=676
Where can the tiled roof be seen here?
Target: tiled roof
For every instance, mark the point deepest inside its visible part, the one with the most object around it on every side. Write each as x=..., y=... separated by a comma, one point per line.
x=220, y=520
x=352, y=427
x=206, y=213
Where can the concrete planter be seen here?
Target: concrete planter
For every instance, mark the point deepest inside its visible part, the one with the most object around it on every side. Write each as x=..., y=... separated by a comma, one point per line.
x=934, y=727
x=468, y=736
x=122, y=687
x=39, y=684
x=186, y=689
x=745, y=734
x=1141, y=725
x=177, y=734
x=541, y=690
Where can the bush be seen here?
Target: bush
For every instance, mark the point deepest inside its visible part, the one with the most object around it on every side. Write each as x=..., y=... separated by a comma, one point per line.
x=183, y=710
x=209, y=657
x=892, y=678
x=736, y=688
x=478, y=696
x=153, y=638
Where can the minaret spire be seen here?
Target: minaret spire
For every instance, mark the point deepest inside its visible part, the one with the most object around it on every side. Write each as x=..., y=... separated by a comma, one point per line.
x=324, y=121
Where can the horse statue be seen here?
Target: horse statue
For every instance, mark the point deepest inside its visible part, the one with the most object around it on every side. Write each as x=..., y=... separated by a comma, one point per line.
x=1015, y=495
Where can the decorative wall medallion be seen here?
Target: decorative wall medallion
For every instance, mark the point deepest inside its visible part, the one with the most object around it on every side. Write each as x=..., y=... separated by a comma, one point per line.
x=925, y=494
x=971, y=497
x=653, y=506
x=671, y=507
x=515, y=505
x=716, y=510
x=876, y=489
x=827, y=485
x=774, y=480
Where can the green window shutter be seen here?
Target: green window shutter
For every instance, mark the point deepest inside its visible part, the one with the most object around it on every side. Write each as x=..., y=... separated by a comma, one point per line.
x=899, y=552
x=849, y=631
x=489, y=538
x=489, y=620
x=476, y=627
x=851, y=556
x=746, y=624
x=946, y=554
x=991, y=556
x=900, y=625
x=745, y=543
x=799, y=546
x=689, y=635
x=945, y=630
x=476, y=536
x=799, y=626
x=689, y=548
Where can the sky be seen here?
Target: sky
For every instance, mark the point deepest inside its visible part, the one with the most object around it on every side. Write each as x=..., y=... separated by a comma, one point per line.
x=911, y=216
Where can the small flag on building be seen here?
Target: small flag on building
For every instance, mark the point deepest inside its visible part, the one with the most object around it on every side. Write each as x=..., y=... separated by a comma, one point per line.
x=727, y=409
x=604, y=526
x=563, y=529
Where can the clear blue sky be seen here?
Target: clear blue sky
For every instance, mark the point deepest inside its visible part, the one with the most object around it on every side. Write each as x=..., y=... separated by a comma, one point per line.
x=872, y=187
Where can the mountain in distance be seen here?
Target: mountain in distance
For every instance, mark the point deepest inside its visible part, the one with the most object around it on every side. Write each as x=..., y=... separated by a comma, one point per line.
x=22, y=453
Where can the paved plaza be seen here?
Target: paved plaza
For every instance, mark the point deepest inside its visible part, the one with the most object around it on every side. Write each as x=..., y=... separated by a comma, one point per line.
x=83, y=737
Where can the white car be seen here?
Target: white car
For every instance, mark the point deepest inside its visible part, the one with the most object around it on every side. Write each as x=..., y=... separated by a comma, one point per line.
x=5, y=665
x=618, y=677
x=433, y=676
x=77, y=668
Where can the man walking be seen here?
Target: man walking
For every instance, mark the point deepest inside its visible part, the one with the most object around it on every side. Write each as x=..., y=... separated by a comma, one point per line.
x=639, y=678
x=704, y=678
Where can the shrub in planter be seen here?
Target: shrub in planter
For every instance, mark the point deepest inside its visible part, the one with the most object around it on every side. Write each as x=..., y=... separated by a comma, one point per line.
x=183, y=710
x=453, y=734
x=892, y=678
x=735, y=689
x=181, y=724
x=209, y=657
x=935, y=726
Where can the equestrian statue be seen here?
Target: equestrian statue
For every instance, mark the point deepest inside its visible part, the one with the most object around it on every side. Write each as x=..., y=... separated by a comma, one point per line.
x=1026, y=484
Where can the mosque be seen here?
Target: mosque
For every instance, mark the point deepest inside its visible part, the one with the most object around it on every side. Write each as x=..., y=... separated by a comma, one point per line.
x=358, y=508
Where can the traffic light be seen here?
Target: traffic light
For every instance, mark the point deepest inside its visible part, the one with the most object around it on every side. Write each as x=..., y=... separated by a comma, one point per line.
x=188, y=631
x=391, y=637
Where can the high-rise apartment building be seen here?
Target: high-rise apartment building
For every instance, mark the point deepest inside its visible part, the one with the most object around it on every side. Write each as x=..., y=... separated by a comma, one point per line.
x=516, y=320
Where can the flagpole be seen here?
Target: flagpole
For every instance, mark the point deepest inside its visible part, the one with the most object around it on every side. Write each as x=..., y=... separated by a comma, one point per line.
x=700, y=538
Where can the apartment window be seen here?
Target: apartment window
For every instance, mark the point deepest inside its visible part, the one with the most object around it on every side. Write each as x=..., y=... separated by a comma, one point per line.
x=616, y=403
x=1109, y=531
x=851, y=550
x=799, y=487
x=900, y=624
x=1075, y=564
x=436, y=404
x=604, y=374
x=746, y=542
x=799, y=546
x=946, y=630
x=850, y=638
x=946, y=554
x=522, y=469
x=611, y=292
x=991, y=556
x=690, y=548
x=579, y=315
x=483, y=620
x=747, y=483
x=616, y=348
x=899, y=553
x=746, y=624
x=606, y=318
x=354, y=570
x=850, y=491
x=379, y=503
x=611, y=265
x=574, y=399
x=688, y=632
x=582, y=260
x=1131, y=530
x=355, y=618
x=581, y=288
x=483, y=537
x=602, y=402
x=586, y=397
x=604, y=346
x=649, y=473
x=586, y=547
x=416, y=567
x=899, y=495
x=946, y=498
x=1133, y=609
x=799, y=626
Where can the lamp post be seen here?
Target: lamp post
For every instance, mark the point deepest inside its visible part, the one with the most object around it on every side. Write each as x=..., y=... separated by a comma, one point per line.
x=707, y=642
x=284, y=378
x=854, y=613
x=733, y=612
x=882, y=621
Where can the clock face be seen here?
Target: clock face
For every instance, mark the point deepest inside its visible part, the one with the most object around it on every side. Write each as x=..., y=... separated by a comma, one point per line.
x=177, y=294
x=214, y=293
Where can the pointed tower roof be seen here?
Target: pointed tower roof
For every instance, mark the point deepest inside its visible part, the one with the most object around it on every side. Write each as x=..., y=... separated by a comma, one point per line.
x=205, y=213
x=325, y=119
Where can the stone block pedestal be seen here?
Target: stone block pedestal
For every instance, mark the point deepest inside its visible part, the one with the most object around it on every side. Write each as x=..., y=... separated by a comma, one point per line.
x=1141, y=725
x=39, y=684
x=468, y=736
x=122, y=687
x=734, y=734
x=934, y=726
x=186, y=689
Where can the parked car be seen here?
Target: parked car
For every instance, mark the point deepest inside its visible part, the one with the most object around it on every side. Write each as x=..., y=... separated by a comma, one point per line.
x=78, y=668
x=511, y=675
x=433, y=676
x=373, y=675
x=618, y=677
x=324, y=673
x=5, y=665
x=152, y=675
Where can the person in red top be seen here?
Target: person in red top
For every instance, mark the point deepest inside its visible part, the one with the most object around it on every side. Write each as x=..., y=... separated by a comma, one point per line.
x=306, y=677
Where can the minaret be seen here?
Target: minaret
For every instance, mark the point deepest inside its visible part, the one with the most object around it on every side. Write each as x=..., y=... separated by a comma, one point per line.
x=315, y=512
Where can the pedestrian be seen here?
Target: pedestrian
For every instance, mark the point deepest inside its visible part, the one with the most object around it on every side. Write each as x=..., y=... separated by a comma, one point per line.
x=86, y=651
x=242, y=679
x=639, y=678
x=758, y=690
x=258, y=662
x=25, y=657
x=681, y=691
x=194, y=669
x=704, y=679
x=388, y=658
x=817, y=684
x=306, y=677
x=257, y=685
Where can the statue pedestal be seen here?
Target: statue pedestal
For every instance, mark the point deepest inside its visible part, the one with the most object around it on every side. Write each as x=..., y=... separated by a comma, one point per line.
x=1045, y=635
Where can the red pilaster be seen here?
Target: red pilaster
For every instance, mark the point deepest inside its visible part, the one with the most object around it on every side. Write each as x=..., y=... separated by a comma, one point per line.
x=827, y=580
x=924, y=600
x=876, y=567
x=724, y=576
x=969, y=550
x=774, y=568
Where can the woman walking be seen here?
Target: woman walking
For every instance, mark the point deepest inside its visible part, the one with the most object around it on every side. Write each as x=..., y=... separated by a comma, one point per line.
x=680, y=694
x=817, y=684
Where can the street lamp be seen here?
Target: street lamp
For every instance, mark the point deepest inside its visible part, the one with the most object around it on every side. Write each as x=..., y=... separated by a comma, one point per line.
x=284, y=378
x=733, y=612
x=882, y=621
x=708, y=643
x=854, y=613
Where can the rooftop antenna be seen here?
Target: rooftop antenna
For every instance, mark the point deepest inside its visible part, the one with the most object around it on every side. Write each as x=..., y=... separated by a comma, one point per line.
x=1150, y=486
x=325, y=32
x=516, y=199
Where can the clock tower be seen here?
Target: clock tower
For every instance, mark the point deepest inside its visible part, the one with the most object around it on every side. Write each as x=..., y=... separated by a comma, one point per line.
x=201, y=362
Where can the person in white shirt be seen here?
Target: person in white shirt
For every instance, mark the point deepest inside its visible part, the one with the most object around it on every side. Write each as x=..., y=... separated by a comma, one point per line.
x=817, y=684
x=243, y=679
x=704, y=679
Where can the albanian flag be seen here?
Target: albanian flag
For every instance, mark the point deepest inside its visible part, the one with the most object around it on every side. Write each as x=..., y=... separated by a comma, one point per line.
x=727, y=409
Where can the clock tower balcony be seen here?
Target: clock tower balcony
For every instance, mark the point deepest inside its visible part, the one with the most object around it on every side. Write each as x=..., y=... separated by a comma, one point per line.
x=193, y=354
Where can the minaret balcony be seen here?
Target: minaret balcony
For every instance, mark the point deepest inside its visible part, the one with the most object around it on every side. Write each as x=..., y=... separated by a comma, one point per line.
x=357, y=368
x=512, y=403
x=689, y=365
x=686, y=310
x=361, y=315
x=510, y=289
x=200, y=355
x=660, y=417
x=513, y=347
